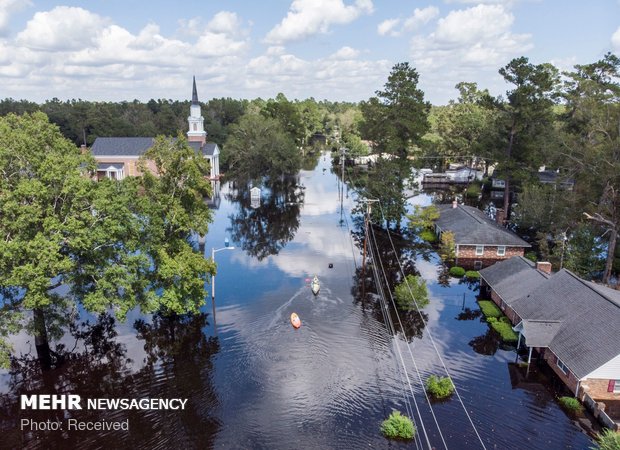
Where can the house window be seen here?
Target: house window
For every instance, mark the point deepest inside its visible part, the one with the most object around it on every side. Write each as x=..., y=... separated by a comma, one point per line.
x=477, y=265
x=616, y=386
x=195, y=127
x=501, y=250
x=562, y=367
x=479, y=250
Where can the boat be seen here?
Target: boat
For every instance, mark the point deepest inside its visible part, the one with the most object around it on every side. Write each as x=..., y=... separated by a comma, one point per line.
x=315, y=285
x=295, y=320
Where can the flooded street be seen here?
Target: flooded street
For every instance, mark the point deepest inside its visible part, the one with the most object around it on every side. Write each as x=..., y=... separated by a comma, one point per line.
x=253, y=381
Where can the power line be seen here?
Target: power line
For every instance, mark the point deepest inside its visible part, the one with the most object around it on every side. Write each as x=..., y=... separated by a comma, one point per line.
x=430, y=335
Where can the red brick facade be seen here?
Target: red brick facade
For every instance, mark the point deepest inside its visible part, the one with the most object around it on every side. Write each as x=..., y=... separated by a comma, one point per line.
x=466, y=255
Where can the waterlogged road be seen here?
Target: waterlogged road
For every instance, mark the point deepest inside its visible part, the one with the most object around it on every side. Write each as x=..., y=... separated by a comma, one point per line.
x=252, y=381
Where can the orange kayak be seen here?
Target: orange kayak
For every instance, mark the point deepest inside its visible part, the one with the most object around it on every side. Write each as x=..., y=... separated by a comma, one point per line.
x=295, y=320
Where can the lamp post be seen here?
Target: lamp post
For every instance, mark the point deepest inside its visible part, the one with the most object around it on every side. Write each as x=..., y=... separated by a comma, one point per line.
x=213, y=252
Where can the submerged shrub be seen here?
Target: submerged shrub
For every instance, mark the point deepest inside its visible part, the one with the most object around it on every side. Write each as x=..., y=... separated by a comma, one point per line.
x=398, y=426
x=457, y=271
x=490, y=309
x=439, y=387
x=570, y=404
x=504, y=329
x=428, y=236
x=607, y=440
x=472, y=274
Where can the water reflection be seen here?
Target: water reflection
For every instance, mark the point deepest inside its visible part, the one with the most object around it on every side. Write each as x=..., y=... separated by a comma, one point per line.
x=93, y=363
x=265, y=230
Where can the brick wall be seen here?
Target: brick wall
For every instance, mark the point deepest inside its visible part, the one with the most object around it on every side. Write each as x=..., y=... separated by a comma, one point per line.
x=514, y=318
x=597, y=389
x=569, y=379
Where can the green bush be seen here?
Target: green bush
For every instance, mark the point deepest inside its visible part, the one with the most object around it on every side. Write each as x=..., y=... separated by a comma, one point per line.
x=412, y=293
x=398, y=426
x=457, y=271
x=607, y=440
x=504, y=328
x=490, y=309
x=439, y=387
x=428, y=236
x=472, y=274
x=570, y=404
x=473, y=191
x=531, y=256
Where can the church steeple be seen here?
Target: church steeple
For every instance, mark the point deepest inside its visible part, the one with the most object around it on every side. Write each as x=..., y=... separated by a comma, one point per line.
x=194, y=93
x=195, y=120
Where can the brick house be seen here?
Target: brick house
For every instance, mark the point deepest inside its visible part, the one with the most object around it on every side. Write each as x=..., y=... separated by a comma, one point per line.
x=570, y=323
x=117, y=157
x=479, y=241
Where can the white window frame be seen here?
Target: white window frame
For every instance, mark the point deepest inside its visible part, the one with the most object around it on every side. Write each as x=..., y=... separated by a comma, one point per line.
x=563, y=367
x=481, y=252
x=501, y=250
x=616, y=386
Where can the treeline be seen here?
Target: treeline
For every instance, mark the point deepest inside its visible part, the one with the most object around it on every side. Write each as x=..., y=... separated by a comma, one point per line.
x=82, y=121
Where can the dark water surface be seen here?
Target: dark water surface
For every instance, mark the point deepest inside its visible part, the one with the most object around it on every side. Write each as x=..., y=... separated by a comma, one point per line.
x=252, y=381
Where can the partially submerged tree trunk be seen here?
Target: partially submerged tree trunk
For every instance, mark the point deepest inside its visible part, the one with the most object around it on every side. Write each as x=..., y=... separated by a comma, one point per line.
x=41, y=341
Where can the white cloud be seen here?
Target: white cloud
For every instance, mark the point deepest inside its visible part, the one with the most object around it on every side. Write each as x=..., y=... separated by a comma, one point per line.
x=615, y=40
x=225, y=22
x=308, y=17
x=62, y=28
x=387, y=27
x=475, y=37
x=7, y=8
x=419, y=18
x=345, y=53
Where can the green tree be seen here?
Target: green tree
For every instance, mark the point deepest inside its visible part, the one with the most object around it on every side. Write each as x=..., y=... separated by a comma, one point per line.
x=423, y=217
x=411, y=294
x=396, y=118
x=528, y=119
x=258, y=147
x=591, y=146
x=289, y=116
x=447, y=246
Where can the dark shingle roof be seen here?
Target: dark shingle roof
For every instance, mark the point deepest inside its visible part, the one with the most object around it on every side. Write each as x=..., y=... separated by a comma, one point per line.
x=136, y=146
x=513, y=277
x=590, y=316
x=121, y=146
x=540, y=333
x=471, y=227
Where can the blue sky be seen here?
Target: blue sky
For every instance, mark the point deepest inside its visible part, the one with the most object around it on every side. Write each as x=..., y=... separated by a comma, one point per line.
x=327, y=49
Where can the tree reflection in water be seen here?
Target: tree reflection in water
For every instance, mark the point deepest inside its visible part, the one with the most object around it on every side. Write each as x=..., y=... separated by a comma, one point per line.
x=365, y=291
x=265, y=230
x=95, y=365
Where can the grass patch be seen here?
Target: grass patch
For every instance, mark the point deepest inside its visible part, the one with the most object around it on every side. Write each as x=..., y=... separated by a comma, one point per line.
x=428, y=236
x=439, y=387
x=398, y=426
x=490, y=309
x=457, y=271
x=570, y=404
x=607, y=440
x=504, y=328
x=472, y=274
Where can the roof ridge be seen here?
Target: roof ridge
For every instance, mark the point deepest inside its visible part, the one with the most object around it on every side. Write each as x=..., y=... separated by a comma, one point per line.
x=477, y=219
x=590, y=285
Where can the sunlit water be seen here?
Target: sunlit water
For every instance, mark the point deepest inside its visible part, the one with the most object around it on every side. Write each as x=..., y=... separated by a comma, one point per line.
x=253, y=381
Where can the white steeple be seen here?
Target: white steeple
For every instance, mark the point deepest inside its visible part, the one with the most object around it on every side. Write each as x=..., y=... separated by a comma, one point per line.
x=196, y=131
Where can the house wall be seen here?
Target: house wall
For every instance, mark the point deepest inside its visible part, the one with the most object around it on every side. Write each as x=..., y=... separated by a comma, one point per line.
x=569, y=379
x=130, y=165
x=466, y=255
x=510, y=313
x=597, y=389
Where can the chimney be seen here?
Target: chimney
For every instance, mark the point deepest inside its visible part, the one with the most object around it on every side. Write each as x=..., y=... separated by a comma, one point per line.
x=500, y=216
x=544, y=266
x=454, y=203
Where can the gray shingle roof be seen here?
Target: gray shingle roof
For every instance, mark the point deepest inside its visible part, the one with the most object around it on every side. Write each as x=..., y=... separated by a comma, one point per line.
x=471, y=227
x=137, y=146
x=590, y=315
x=513, y=278
x=540, y=333
x=121, y=146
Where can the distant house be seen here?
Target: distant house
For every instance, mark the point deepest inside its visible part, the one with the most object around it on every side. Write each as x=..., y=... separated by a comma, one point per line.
x=117, y=157
x=570, y=323
x=457, y=175
x=479, y=241
x=552, y=177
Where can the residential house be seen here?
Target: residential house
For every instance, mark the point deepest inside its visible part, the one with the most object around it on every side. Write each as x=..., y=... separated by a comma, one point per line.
x=570, y=323
x=117, y=157
x=479, y=241
x=552, y=177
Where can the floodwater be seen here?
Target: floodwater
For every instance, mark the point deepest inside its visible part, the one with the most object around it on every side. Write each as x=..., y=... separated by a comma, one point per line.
x=253, y=381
